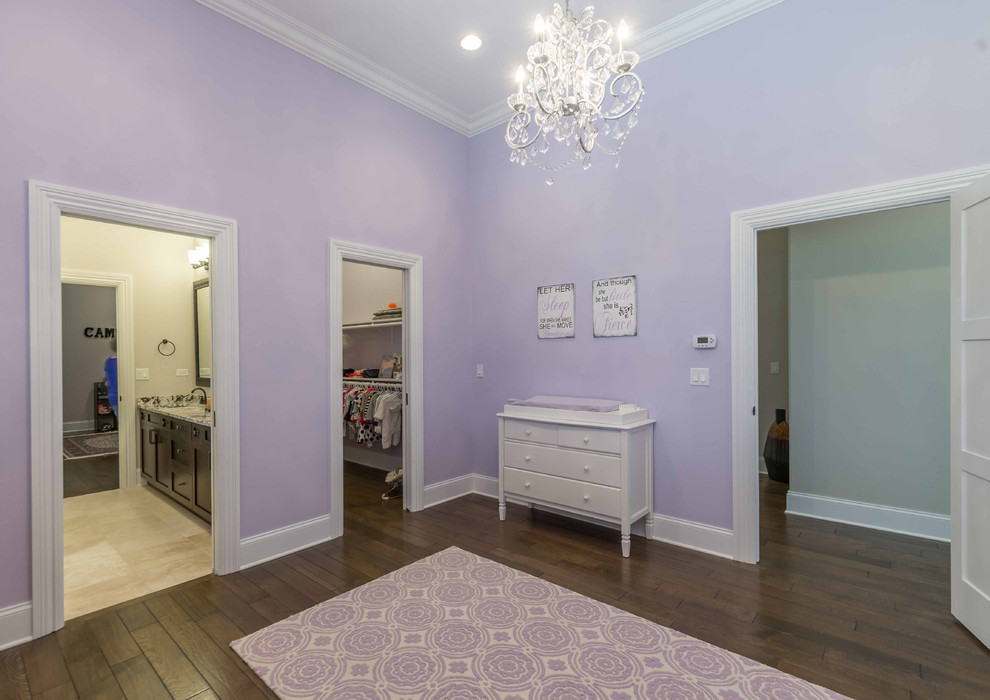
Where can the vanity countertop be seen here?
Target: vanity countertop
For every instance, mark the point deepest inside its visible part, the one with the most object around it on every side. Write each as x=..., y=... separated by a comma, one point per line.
x=177, y=407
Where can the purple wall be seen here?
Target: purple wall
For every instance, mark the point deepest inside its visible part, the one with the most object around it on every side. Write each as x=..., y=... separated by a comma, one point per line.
x=806, y=98
x=172, y=103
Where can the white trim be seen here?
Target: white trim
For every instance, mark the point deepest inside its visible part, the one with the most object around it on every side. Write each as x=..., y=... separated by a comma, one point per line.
x=79, y=426
x=918, y=523
x=376, y=459
x=258, y=549
x=123, y=286
x=15, y=625
x=744, y=225
x=448, y=490
x=697, y=536
x=47, y=204
x=708, y=539
x=298, y=36
x=413, y=413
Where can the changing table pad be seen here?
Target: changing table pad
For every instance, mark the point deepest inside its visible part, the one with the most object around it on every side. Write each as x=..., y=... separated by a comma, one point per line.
x=567, y=403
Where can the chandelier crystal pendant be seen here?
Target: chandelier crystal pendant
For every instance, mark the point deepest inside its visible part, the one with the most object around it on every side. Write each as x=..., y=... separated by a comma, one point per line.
x=575, y=94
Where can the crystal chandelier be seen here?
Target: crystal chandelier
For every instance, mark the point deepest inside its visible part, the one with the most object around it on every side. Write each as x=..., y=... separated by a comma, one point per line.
x=575, y=94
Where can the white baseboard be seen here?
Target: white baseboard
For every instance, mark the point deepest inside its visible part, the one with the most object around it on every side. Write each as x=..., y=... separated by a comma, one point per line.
x=372, y=457
x=683, y=533
x=763, y=466
x=277, y=543
x=78, y=426
x=448, y=490
x=15, y=625
x=918, y=523
x=697, y=536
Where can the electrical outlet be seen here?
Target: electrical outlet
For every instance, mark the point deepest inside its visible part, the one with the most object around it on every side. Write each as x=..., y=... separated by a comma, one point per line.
x=142, y=374
x=699, y=376
x=181, y=373
x=480, y=370
x=774, y=368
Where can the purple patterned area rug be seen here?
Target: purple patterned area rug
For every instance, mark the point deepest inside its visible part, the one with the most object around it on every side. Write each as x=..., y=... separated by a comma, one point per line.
x=455, y=626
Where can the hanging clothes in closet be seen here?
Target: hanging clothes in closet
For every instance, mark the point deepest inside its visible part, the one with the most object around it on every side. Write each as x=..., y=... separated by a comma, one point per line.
x=372, y=413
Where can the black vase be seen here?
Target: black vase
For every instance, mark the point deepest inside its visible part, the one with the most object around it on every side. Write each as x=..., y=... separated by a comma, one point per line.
x=777, y=450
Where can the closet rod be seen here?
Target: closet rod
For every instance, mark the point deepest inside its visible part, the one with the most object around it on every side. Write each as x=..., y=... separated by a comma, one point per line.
x=348, y=380
x=383, y=324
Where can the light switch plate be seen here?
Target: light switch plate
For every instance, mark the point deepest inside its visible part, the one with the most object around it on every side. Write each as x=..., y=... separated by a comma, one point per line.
x=480, y=370
x=774, y=368
x=142, y=374
x=699, y=376
x=181, y=373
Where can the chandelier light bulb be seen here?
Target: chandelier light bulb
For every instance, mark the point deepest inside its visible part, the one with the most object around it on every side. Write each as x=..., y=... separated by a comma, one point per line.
x=577, y=92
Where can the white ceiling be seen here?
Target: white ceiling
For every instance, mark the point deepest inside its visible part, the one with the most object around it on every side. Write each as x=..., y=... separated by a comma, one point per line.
x=411, y=51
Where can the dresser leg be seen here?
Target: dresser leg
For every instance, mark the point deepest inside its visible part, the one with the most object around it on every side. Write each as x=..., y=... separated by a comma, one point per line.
x=625, y=545
x=649, y=526
x=501, y=510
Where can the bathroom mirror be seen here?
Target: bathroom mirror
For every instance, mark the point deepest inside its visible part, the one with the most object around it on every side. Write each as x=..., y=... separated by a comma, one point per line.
x=201, y=325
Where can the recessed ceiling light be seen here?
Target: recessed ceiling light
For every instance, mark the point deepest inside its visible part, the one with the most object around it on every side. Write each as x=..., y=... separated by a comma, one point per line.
x=471, y=42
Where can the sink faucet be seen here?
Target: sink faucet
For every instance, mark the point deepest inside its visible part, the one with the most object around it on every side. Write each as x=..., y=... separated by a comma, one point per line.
x=199, y=388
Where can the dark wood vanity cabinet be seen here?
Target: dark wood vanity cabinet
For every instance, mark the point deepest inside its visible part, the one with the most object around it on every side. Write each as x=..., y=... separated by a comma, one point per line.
x=175, y=459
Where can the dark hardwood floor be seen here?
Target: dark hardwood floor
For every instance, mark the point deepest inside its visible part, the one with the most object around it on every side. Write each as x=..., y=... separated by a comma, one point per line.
x=862, y=612
x=90, y=475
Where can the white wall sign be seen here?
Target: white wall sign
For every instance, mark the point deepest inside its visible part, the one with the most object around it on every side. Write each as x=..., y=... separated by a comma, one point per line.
x=555, y=311
x=614, y=306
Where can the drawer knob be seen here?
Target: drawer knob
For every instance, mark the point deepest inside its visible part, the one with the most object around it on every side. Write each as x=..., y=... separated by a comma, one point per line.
x=526, y=484
x=587, y=440
x=529, y=432
x=528, y=458
x=587, y=467
x=587, y=498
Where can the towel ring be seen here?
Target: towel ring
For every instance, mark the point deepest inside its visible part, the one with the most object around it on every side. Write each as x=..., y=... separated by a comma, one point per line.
x=166, y=342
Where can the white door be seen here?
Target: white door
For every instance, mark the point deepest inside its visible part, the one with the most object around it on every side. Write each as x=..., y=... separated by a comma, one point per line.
x=970, y=459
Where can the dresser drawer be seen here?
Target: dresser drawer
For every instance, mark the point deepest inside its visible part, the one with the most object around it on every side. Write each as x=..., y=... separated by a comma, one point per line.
x=531, y=432
x=589, y=439
x=593, y=498
x=570, y=464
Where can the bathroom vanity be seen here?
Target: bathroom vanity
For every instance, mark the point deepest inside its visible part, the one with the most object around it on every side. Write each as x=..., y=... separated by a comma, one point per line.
x=175, y=454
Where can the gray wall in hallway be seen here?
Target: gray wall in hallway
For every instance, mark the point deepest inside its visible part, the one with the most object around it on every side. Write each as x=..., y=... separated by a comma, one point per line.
x=83, y=306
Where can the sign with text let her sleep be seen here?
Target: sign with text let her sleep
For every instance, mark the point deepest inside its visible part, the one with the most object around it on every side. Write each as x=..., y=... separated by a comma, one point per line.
x=613, y=306
x=555, y=311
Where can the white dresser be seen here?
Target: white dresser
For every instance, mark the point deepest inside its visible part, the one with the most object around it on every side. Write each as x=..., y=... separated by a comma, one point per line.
x=577, y=464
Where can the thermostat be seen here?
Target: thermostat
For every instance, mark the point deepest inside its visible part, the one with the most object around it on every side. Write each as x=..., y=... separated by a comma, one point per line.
x=704, y=341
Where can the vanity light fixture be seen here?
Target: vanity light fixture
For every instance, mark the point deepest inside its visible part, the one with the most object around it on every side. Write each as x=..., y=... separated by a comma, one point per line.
x=472, y=42
x=576, y=92
x=200, y=257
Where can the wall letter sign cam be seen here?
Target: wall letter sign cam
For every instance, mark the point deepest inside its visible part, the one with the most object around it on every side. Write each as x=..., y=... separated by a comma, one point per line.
x=613, y=304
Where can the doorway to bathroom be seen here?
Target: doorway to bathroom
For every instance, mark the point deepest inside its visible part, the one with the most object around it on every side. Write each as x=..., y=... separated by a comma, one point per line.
x=174, y=514
x=137, y=476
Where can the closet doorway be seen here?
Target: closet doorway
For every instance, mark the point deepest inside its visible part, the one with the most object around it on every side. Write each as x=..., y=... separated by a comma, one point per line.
x=376, y=337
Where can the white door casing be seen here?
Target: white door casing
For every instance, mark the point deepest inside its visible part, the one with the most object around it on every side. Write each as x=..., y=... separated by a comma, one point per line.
x=970, y=411
x=413, y=412
x=47, y=203
x=745, y=224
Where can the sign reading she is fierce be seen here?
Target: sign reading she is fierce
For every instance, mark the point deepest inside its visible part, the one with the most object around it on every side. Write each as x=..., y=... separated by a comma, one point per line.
x=555, y=311
x=614, y=306
x=93, y=332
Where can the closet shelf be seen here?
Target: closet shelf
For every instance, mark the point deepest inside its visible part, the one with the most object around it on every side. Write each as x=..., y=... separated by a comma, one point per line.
x=363, y=380
x=383, y=324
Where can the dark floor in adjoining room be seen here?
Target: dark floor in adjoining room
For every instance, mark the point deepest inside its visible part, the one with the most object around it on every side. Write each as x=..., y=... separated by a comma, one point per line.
x=90, y=475
x=862, y=612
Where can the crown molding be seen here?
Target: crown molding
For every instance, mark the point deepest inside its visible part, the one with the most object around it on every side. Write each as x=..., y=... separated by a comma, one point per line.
x=288, y=31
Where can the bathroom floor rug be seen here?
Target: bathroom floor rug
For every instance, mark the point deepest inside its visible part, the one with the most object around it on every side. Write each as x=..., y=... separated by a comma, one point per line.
x=456, y=626
x=91, y=445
